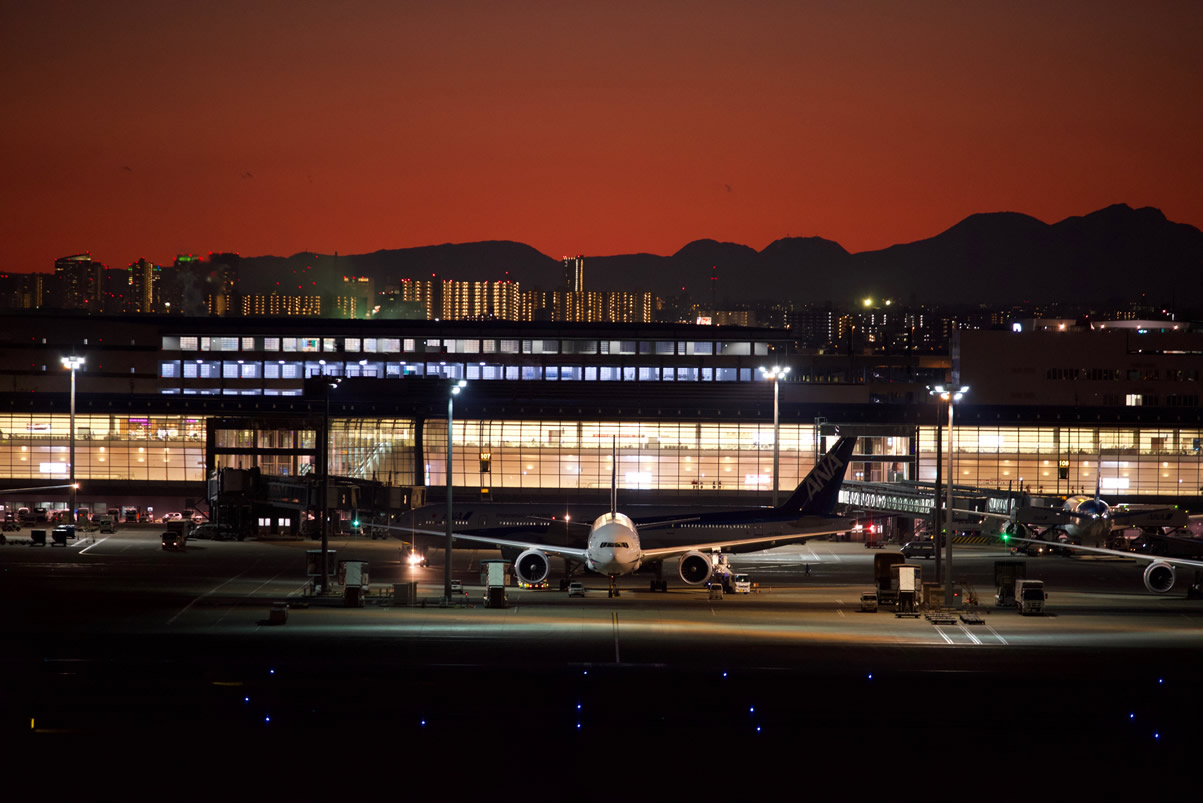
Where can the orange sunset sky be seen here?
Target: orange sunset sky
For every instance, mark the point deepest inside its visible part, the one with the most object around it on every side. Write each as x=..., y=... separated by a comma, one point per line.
x=155, y=128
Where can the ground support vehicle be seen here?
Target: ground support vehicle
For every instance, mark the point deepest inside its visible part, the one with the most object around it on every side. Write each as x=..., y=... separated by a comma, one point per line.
x=1006, y=572
x=174, y=540
x=909, y=585
x=884, y=579
x=1030, y=596
x=353, y=577
x=495, y=576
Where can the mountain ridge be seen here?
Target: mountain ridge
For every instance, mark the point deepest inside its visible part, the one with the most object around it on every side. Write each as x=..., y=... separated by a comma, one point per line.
x=1004, y=256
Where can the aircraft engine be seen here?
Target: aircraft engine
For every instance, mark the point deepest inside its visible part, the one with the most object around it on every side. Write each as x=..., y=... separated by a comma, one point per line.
x=695, y=568
x=1159, y=577
x=532, y=566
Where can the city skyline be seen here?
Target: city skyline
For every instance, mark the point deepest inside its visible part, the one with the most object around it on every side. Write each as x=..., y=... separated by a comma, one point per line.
x=138, y=130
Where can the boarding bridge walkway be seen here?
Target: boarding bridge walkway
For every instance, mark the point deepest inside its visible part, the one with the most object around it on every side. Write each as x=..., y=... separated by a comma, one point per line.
x=914, y=500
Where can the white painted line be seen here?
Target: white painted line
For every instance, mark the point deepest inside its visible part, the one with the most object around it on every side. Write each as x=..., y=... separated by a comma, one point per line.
x=967, y=632
x=202, y=596
x=997, y=635
x=943, y=635
x=97, y=543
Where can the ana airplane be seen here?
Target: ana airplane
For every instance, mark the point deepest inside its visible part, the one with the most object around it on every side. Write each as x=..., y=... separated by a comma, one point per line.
x=1089, y=520
x=1159, y=573
x=615, y=544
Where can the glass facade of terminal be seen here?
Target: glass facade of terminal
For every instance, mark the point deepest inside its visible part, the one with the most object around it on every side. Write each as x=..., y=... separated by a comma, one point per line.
x=574, y=454
x=276, y=366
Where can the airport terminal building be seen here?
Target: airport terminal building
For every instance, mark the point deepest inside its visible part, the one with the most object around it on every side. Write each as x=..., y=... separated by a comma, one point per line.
x=162, y=404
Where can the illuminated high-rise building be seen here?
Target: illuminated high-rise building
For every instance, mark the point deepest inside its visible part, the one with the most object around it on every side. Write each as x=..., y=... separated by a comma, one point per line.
x=275, y=305
x=421, y=291
x=357, y=299
x=574, y=274
x=500, y=300
x=143, y=287
x=615, y=306
x=78, y=280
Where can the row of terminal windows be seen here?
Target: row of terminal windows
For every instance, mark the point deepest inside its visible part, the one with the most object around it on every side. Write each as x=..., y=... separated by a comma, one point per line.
x=1131, y=374
x=409, y=345
x=284, y=369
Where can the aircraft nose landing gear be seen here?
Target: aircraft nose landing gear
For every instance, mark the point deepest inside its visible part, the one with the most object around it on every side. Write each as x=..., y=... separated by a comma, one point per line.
x=614, y=591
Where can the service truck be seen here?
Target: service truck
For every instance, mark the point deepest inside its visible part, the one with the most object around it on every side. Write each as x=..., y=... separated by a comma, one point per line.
x=495, y=576
x=1030, y=596
x=355, y=580
x=884, y=578
x=1006, y=572
x=742, y=584
x=909, y=584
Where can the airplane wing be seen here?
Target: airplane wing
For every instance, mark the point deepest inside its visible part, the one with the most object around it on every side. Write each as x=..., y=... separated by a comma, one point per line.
x=573, y=553
x=1150, y=517
x=764, y=540
x=1139, y=556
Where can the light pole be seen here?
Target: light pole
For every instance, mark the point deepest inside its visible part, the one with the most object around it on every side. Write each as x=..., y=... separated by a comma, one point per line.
x=329, y=384
x=775, y=373
x=952, y=397
x=72, y=363
x=455, y=389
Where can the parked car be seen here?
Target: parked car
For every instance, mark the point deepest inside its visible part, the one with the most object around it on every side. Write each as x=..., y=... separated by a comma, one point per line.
x=919, y=549
x=172, y=517
x=576, y=589
x=216, y=532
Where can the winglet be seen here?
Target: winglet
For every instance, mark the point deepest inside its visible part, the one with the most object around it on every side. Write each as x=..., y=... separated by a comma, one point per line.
x=819, y=491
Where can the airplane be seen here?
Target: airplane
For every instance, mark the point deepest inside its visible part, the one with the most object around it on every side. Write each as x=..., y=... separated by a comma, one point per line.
x=1087, y=520
x=615, y=547
x=1159, y=575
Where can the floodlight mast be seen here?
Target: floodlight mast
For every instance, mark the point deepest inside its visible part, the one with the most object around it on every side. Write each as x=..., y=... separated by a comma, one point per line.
x=73, y=364
x=454, y=391
x=775, y=374
x=951, y=397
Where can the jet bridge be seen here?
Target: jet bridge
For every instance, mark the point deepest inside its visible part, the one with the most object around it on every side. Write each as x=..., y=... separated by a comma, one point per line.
x=913, y=500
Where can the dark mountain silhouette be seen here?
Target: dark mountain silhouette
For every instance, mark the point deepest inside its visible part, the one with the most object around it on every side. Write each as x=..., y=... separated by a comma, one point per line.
x=1002, y=257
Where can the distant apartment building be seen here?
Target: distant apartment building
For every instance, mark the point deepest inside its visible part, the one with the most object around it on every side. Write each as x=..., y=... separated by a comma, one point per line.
x=477, y=301
x=600, y=307
x=574, y=274
x=143, y=297
x=420, y=291
x=276, y=305
x=77, y=280
x=24, y=290
x=357, y=299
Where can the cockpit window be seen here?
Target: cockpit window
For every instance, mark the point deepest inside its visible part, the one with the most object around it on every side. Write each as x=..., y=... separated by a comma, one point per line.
x=614, y=545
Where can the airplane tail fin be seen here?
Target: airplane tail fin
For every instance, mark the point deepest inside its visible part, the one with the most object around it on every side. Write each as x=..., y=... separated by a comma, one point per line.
x=819, y=491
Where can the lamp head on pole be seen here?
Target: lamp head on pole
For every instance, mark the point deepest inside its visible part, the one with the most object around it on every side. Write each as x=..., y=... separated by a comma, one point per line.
x=73, y=363
x=458, y=386
x=947, y=394
x=774, y=373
